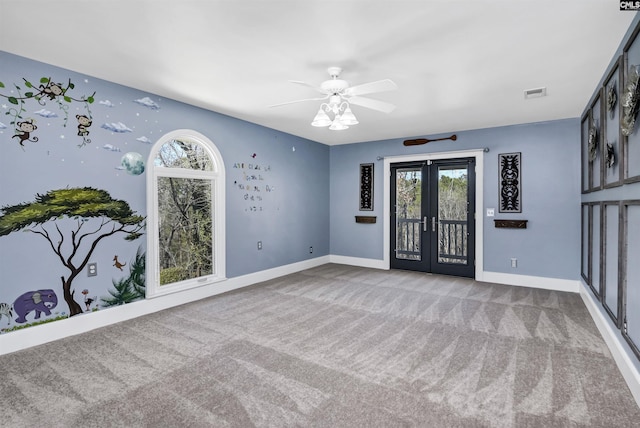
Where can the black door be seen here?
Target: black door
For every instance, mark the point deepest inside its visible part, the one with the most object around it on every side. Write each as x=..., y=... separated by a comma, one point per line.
x=433, y=219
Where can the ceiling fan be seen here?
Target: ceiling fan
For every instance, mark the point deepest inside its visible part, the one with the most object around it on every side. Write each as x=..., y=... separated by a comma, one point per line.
x=340, y=95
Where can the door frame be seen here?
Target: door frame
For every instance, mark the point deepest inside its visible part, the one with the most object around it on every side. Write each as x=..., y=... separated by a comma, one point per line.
x=478, y=154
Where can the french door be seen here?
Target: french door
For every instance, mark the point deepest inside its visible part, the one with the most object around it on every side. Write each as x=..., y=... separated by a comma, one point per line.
x=432, y=216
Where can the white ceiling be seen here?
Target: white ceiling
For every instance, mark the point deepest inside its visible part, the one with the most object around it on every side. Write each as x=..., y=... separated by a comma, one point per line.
x=459, y=65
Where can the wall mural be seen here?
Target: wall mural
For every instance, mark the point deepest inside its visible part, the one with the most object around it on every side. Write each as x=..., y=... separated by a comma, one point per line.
x=72, y=222
x=76, y=222
x=46, y=91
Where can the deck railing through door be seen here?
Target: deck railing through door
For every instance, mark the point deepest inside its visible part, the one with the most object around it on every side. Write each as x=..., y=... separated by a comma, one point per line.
x=452, y=242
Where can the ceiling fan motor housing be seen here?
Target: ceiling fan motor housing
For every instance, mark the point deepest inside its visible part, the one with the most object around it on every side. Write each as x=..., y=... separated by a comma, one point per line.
x=334, y=86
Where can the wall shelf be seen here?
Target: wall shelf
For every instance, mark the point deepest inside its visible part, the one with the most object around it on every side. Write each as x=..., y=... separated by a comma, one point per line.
x=365, y=219
x=511, y=224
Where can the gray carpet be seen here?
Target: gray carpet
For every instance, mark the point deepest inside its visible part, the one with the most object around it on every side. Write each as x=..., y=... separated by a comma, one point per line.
x=333, y=346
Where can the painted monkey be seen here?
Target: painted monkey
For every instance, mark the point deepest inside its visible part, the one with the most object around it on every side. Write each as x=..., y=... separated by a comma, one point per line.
x=24, y=130
x=52, y=90
x=84, y=123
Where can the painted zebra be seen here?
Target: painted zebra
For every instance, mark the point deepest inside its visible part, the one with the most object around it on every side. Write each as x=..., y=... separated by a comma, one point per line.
x=5, y=309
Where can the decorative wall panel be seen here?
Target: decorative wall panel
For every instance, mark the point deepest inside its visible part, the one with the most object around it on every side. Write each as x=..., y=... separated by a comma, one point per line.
x=366, y=187
x=595, y=144
x=630, y=104
x=510, y=182
x=612, y=147
x=585, y=243
x=595, y=249
x=584, y=150
x=610, y=259
x=631, y=269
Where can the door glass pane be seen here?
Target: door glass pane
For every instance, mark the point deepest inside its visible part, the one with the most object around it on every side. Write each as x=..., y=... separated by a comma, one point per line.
x=185, y=229
x=452, y=214
x=408, y=213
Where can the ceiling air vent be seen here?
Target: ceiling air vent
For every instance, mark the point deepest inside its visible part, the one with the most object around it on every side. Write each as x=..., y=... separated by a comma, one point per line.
x=535, y=93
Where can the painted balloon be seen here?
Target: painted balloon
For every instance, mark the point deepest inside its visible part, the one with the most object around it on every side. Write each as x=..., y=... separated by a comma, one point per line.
x=133, y=163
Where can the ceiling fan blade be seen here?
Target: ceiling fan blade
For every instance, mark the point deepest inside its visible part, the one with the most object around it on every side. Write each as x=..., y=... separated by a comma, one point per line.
x=298, y=82
x=299, y=101
x=370, y=88
x=372, y=104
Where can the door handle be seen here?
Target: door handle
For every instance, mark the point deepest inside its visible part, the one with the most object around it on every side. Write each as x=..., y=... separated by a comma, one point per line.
x=433, y=224
x=424, y=224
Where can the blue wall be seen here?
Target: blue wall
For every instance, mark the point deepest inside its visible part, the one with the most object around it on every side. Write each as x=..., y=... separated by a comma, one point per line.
x=549, y=247
x=293, y=216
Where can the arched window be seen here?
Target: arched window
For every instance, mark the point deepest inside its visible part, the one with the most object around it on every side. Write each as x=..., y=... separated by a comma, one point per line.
x=185, y=213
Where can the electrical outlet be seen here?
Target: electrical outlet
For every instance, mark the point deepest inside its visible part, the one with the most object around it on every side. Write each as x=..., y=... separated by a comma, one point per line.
x=92, y=269
x=310, y=250
x=491, y=212
x=259, y=245
x=514, y=263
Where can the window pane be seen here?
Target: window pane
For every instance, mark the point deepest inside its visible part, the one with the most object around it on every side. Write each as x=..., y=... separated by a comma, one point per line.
x=183, y=154
x=185, y=228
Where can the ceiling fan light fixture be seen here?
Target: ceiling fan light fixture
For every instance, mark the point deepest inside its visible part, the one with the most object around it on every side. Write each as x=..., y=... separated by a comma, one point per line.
x=337, y=124
x=321, y=119
x=348, y=118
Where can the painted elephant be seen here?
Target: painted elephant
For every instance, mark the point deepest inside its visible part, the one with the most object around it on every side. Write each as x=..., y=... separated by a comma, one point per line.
x=39, y=301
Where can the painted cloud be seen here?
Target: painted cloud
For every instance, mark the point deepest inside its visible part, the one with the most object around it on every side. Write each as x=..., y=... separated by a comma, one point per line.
x=45, y=113
x=144, y=140
x=111, y=148
x=116, y=127
x=106, y=103
x=3, y=126
x=147, y=102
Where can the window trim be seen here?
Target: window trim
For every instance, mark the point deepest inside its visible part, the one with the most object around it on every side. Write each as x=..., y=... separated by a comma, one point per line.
x=217, y=177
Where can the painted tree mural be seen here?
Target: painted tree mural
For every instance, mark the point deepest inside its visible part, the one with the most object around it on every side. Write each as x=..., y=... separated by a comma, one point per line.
x=73, y=222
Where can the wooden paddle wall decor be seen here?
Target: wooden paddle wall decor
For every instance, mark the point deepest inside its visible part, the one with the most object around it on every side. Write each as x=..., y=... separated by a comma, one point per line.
x=421, y=141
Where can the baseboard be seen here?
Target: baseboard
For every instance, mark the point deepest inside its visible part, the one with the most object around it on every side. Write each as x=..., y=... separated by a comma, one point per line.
x=357, y=261
x=33, y=336
x=614, y=342
x=545, y=283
